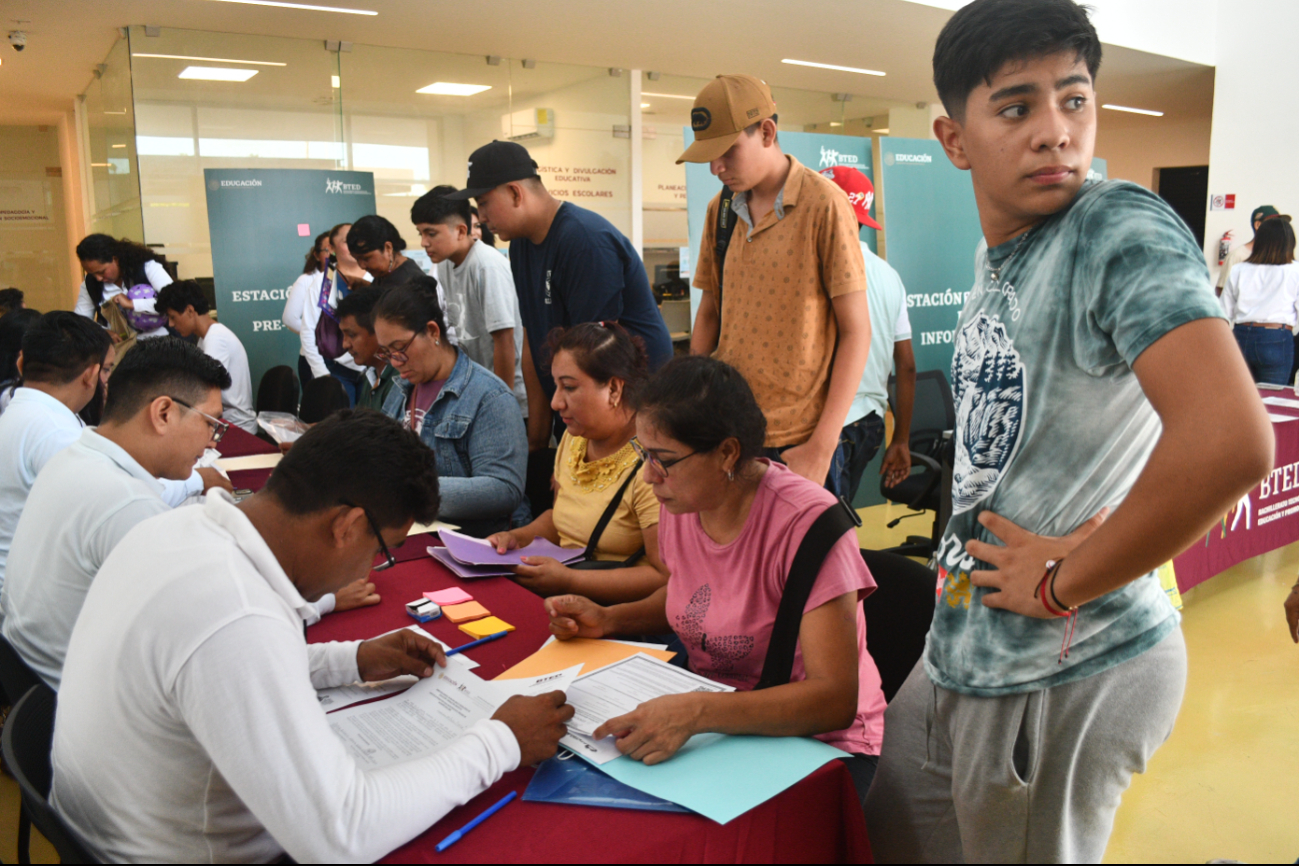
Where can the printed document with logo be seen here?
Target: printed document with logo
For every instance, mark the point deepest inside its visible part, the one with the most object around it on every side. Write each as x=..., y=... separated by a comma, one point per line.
x=620, y=688
x=337, y=697
x=431, y=713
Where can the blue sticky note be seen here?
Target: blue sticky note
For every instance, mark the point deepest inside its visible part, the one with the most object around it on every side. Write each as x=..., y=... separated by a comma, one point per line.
x=722, y=777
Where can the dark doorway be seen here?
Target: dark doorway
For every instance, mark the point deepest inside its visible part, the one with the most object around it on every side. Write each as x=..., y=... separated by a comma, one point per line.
x=1187, y=191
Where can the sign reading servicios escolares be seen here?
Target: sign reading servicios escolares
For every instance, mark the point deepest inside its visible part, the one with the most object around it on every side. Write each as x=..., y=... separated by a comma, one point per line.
x=262, y=223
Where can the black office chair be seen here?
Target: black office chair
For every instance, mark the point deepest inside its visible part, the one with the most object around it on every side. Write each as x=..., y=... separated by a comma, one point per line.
x=321, y=398
x=28, y=735
x=898, y=614
x=16, y=679
x=933, y=417
x=278, y=391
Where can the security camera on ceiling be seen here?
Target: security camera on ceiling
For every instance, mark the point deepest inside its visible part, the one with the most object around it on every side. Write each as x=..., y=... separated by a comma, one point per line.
x=18, y=39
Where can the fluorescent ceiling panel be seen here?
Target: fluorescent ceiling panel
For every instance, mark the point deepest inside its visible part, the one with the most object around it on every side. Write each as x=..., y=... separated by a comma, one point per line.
x=832, y=66
x=305, y=6
x=213, y=73
x=452, y=88
x=1131, y=110
x=211, y=59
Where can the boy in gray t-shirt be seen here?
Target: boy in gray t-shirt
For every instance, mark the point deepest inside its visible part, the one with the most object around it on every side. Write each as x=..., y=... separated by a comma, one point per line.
x=1105, y=420
x=481, y=302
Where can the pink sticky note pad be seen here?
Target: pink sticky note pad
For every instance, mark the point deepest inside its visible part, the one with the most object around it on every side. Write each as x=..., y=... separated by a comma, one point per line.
x=443, y=597
x=304, y=230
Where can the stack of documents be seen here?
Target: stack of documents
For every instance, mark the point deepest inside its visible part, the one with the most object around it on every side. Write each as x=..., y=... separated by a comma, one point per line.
x=470, y=557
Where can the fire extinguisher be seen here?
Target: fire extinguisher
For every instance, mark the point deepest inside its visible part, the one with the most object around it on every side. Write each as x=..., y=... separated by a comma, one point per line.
x=1224, y=246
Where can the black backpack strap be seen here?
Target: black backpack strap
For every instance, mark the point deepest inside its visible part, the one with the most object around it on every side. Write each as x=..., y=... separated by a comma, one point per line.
x=822, y=535
x=608, y=515
x=726, y=220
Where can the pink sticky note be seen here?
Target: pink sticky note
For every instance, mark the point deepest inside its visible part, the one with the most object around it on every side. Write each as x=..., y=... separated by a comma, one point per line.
x=455, y=595
x=304, y=230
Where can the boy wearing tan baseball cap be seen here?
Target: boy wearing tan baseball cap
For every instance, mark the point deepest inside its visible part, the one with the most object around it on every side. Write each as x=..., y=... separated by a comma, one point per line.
x=793, y=316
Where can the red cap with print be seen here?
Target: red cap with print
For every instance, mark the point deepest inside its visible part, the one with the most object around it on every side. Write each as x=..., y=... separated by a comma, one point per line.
x=861, y=192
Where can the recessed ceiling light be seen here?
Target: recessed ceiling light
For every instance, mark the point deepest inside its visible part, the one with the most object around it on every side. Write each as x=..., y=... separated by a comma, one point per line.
x=1134, y=110
x=644, y=105
x=667, y=95
x=214, y=73
x=835, y=123
x=881, y=132
x=305, y=6
x=115, y=112
x=832, y=66
x=451, y=88
x=119, y=145
x=211, y=59
x=334, y=82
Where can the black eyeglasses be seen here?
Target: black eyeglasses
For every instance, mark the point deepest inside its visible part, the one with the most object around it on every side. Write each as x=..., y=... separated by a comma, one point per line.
x=389, y=559
x=383, y=353
x=219, y=426
x=660, y=467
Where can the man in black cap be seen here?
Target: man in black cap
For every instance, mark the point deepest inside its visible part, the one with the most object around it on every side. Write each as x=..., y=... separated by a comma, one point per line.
x=570, y=265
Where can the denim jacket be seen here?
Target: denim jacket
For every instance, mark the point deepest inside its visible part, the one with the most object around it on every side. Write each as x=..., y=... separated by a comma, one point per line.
x=476, y=431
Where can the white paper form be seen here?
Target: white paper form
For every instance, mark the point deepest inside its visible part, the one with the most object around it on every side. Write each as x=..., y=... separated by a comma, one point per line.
x=1280, y=419
x=620, y=688
x=337, y=697
x=1281, y=401
x=431, y=713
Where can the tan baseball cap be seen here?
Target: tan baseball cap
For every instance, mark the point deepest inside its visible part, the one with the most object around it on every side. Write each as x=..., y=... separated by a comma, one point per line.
x=728, y=105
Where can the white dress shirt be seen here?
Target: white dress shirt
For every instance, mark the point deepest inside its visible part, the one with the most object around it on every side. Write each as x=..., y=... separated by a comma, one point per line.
x=1262, y=294
x=157, y=276
x=307, y=336
x=86, y=499
x=188, y=727
x=237, y=400
x=302, y=286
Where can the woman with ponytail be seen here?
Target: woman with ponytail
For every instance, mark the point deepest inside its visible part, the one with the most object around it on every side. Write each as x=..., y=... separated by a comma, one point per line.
x=127, y=273
x=462, y=411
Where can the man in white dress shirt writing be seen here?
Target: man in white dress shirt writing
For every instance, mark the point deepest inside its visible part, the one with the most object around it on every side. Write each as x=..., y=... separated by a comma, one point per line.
x=188, y=727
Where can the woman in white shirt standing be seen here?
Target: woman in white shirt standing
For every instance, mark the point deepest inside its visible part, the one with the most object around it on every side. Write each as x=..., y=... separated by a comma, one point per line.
x=1262, y=301
x=313, y=272
x=342, y=272
x=113, y=269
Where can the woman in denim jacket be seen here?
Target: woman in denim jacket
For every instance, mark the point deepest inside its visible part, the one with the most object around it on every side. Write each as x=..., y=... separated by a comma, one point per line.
x=463, y=412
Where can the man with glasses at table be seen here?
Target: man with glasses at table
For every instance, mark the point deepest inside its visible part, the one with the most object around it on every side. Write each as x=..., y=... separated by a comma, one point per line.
x=188, y=727
x=160, y=415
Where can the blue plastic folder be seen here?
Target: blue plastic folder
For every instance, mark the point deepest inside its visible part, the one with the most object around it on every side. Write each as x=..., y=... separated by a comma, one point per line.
x=565, y=779
x=722, y=777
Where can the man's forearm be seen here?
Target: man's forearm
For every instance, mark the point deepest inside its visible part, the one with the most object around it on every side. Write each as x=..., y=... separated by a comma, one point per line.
x=707, y=328
x=905, y=401
x=854, y=323
x=503, y=356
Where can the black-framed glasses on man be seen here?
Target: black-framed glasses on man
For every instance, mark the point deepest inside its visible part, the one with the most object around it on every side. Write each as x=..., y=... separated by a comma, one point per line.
x=389, y=559
x=651, y=459
x=219, y=426
x=396, y=353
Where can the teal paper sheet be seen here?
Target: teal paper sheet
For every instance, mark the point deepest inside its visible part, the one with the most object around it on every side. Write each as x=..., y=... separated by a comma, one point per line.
x=723, y=777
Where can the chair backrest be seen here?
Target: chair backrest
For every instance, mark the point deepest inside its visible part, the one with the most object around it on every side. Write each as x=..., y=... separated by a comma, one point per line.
x=16, y=676
x=898, y=615
x=278, y=391
x=321, y=398
x=934, y=410
x=28, y=735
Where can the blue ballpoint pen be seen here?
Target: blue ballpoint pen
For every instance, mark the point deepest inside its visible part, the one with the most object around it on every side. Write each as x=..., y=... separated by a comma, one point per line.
x=500, y=804
x=474, y=643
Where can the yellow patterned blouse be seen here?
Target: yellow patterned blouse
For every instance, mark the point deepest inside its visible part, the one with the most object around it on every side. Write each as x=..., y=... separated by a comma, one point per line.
x=584, y=489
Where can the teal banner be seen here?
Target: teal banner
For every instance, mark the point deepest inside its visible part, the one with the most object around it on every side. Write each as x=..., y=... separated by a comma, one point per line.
x=814, y=150
x=931, y=233
x=262, y=223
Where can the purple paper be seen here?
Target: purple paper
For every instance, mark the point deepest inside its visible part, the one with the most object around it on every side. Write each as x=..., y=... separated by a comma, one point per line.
x=468, y=572
x=476, y=551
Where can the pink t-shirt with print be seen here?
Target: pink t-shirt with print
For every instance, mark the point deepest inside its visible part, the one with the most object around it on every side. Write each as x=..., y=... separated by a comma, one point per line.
x=722, y=598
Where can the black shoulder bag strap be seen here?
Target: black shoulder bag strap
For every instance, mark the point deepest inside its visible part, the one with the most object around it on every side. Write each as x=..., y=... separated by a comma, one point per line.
x=725, y=227
x=589, y=555
x=823, y=534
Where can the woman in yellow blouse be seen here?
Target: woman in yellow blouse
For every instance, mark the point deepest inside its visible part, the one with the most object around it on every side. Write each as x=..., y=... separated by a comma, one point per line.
x=594, y=366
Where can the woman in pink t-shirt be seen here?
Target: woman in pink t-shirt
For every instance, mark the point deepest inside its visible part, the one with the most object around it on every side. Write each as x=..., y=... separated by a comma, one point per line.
x=730, y=526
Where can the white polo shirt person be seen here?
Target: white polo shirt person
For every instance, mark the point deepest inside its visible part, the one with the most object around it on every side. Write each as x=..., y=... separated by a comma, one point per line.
x=187, y=311
x=92, y=493
x=188, y=727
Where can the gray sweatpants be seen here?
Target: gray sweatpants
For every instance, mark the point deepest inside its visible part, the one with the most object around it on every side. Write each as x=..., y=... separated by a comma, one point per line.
x=1028, y=778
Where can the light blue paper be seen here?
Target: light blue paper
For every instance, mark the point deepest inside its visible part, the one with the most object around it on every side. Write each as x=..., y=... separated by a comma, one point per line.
x=722, y=777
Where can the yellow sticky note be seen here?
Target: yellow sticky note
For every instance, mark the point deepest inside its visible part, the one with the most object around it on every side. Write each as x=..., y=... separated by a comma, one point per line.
x=483, y=627
x=458, y=613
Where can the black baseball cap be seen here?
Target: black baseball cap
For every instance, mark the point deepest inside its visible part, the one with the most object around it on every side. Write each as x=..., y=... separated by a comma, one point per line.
x=494, y=164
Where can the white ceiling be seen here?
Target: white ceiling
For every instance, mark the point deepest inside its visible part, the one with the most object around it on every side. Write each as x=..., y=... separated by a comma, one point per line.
x=67, y=38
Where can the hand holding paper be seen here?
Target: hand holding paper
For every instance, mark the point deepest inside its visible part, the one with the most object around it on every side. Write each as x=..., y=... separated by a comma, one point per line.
x=396, y=653
x=654, y=731
x=537, y=723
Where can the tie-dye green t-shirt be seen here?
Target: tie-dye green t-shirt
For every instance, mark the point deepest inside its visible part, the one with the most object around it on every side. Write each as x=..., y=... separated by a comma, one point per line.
x=1052, y=425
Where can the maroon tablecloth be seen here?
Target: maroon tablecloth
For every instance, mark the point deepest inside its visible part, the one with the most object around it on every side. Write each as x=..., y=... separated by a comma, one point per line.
x=1265, y=519
x=817, y=820
x=238, y=443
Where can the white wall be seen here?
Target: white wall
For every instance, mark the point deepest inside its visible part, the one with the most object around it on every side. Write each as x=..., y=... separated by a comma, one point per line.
x=1254, y=125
